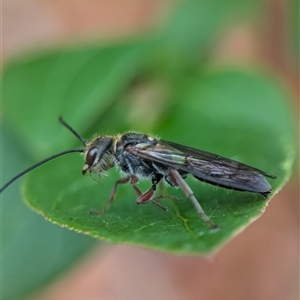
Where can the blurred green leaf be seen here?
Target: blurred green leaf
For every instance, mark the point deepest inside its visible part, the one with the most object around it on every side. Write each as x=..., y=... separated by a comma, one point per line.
x=59, y=83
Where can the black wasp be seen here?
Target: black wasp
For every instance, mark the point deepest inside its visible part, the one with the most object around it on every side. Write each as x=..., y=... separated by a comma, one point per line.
x=142, y=156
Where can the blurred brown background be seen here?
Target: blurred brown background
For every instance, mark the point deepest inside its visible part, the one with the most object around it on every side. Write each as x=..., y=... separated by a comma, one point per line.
x=260, y=263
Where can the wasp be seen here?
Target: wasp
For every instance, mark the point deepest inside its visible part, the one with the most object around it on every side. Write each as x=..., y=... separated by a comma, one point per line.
x=141, y=156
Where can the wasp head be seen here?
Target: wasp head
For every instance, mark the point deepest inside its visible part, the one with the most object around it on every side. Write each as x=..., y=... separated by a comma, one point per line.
x=98, y=156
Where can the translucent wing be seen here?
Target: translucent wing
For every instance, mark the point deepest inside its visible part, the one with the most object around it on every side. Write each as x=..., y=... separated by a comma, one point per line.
x=206, y=166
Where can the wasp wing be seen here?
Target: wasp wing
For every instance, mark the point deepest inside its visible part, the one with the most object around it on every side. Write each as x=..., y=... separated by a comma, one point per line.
x=206, y=166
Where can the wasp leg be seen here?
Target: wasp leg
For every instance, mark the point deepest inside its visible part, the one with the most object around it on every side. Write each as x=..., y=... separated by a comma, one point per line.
x=157, y=198
x=133, y=181
x=112, y=195
x=178, y=180
x=147, y=196
x=161, y=194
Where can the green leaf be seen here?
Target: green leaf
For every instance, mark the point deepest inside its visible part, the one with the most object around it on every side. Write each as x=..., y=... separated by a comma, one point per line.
x=240, y=115
x=79, y=83
x=33, y=251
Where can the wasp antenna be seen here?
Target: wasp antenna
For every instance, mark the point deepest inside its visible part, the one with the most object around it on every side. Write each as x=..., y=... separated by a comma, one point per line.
x=38, y=164
x=63, y=122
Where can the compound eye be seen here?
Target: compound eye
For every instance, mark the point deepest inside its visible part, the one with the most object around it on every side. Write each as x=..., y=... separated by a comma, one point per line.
x=91, y=156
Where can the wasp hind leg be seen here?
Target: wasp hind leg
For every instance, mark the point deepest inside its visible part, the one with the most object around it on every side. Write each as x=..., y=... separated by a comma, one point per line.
x=177, y=179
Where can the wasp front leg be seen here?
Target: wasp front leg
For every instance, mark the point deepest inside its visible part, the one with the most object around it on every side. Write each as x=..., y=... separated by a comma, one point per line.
x=133, y=179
